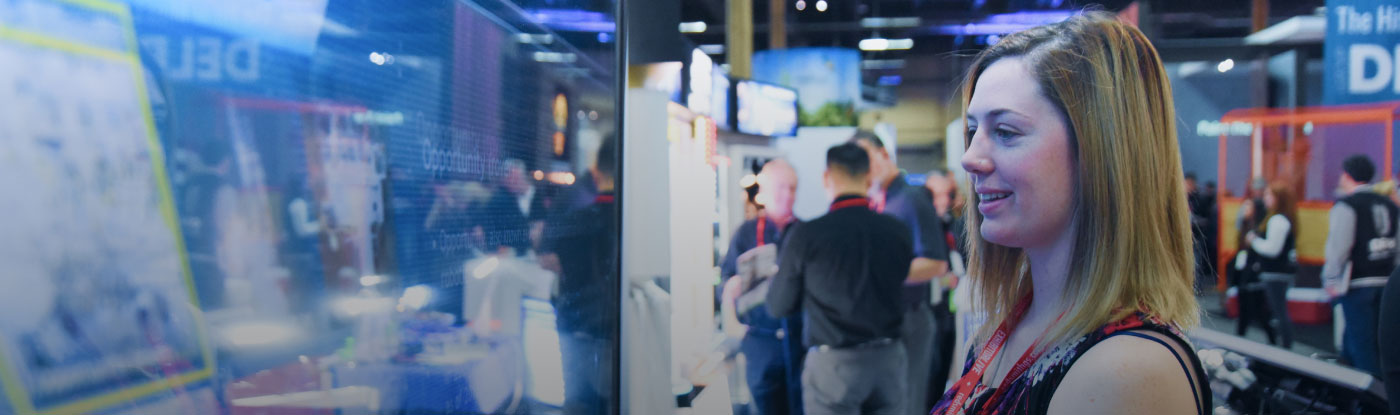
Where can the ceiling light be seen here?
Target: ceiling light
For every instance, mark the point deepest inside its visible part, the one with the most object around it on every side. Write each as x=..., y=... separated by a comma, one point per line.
x=1225, y=65
x=712, y=49
x=555, y=57
x=381, y=59
x=889, y=22
x=821, y=5
x=879, y=44
x=801, y=5
x=534, y=39
x=693, y=27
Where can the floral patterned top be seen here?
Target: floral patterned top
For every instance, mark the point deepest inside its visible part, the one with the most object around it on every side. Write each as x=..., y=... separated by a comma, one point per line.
x=1031, y=393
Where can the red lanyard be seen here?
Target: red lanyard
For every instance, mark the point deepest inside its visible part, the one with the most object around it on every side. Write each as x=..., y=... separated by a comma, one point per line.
x=973, y=377
x=850, y=203
x=761, y=222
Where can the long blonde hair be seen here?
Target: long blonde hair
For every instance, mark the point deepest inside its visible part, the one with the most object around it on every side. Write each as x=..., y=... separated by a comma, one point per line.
x=1132, y=249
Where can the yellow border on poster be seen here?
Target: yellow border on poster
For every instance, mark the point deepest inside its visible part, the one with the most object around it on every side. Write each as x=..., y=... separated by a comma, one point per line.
x=14, y=390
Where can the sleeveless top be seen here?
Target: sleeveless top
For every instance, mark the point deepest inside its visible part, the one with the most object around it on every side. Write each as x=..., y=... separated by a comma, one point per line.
x=1031, y=393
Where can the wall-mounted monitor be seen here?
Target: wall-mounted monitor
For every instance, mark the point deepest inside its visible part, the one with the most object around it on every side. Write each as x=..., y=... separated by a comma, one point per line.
x=765, y=109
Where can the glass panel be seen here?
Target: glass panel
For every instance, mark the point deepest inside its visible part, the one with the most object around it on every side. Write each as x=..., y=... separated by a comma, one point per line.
x=307, y=206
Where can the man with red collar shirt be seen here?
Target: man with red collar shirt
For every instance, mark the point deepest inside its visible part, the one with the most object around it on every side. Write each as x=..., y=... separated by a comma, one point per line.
x=893, y=196
x=846, y=272
x=772, y=346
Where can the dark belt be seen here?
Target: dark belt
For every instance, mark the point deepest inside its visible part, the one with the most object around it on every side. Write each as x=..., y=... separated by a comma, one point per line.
x=877, y=343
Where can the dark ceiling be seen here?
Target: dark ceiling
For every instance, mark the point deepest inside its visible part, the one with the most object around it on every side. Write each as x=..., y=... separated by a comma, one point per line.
x=939, y=26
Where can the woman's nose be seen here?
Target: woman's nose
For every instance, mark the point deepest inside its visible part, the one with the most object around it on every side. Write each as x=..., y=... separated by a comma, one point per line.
x=975, y=159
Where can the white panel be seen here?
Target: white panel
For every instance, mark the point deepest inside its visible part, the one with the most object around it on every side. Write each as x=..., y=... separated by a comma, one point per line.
x=807, y=154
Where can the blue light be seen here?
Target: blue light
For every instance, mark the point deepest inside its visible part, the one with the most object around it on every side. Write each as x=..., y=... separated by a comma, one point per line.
x=604, y=37
x=890, y=80
x=573, y=20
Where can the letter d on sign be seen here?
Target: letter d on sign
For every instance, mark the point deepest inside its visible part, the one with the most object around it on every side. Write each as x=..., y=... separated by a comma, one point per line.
x=1360, y=54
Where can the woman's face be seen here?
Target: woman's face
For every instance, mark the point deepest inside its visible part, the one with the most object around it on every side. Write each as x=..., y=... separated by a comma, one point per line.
x=1020, y=159
x=1270, y=201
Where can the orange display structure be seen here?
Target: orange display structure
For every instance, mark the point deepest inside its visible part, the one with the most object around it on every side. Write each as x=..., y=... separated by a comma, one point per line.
x=1303, y=147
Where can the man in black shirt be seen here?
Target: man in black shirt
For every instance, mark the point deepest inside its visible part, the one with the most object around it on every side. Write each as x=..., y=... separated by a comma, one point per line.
x=846, y=270
x=587, y=306
x=893, y=196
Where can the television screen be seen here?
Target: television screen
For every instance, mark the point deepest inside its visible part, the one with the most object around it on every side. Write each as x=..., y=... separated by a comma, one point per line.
x=766, y=109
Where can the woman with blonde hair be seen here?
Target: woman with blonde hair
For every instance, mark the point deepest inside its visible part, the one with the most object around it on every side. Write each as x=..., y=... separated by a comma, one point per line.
x=1079, y=234
x=1272, y=242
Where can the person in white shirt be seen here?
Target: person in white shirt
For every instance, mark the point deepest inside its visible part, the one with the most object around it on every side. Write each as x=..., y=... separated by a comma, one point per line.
x=1275, y=252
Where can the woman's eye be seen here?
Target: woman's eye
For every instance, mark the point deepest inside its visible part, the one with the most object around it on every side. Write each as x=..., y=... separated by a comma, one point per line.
x=1005, y=134
x=971, y=131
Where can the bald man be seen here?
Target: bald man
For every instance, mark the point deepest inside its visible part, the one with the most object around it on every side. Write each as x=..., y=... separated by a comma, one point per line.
x=772, y=346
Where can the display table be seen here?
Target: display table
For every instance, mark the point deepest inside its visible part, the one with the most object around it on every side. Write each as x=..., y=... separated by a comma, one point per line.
x=463, y=382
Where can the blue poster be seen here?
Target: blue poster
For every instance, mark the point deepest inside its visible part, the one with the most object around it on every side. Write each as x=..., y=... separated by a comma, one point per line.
x=1362, y=52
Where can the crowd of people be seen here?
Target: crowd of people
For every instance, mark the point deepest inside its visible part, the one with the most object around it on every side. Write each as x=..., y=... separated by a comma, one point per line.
x=1034, y=291
x=1360, y=255
x=524, y=237
x=864, y=306
x=1039, y=289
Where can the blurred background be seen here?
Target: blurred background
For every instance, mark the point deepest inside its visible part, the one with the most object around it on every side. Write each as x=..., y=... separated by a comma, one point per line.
x=524, y=206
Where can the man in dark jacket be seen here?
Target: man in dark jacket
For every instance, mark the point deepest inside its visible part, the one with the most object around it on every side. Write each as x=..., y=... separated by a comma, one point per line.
x=587, y=306
x=892, y=195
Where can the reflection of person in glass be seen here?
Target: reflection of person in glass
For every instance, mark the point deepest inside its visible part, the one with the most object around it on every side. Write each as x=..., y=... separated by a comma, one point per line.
x=300, y=249
x=586, y=242
x=513, y=210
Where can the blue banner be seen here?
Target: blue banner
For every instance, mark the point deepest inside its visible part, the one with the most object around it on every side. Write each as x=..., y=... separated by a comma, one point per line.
x=1362, y=52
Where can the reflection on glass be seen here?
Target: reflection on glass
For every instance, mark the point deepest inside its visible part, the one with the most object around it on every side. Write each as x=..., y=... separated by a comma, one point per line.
x=307, y=206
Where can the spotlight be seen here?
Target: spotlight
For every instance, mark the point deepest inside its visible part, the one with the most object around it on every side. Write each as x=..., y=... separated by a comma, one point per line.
x=1225, y=65
x=821, y=5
